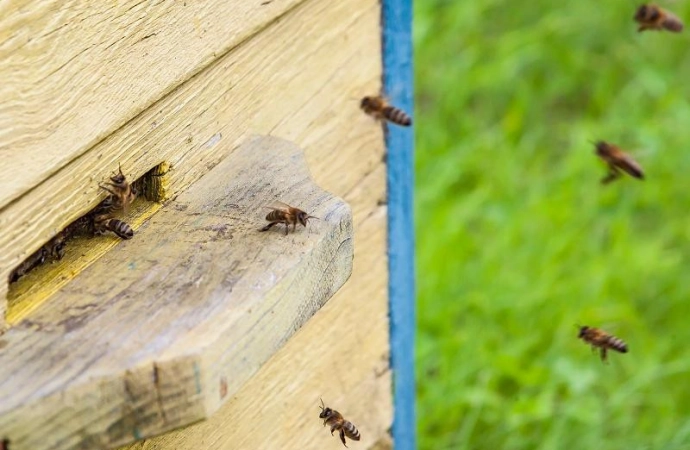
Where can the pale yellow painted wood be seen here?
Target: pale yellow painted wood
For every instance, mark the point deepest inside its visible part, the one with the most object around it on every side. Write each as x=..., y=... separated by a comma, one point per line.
x=300, y=78
x=167, y=325
x=341, y=354
x=74, y=72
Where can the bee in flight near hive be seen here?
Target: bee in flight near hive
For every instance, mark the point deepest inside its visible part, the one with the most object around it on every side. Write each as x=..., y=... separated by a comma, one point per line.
x=379, y=108
x=598, y=338
x=651, y=17
x=287, y=215
x=617, y=160
x=337, y=422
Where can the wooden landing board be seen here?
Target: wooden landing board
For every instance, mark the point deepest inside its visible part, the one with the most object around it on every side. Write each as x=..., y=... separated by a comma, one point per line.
x=167, y=326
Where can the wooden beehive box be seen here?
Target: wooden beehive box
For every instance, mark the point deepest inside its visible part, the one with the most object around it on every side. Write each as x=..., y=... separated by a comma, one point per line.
x=200, y=332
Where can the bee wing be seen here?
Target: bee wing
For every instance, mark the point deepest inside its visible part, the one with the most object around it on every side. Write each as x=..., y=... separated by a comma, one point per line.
x=278, y=205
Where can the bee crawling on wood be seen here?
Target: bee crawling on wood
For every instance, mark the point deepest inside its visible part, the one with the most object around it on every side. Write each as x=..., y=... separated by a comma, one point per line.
x=55, y=249
x=122, y=194
x=617, y=160
x=378, y=107
x=598, y=338
x=651, y=17
x=287, y=215
x=337, y=422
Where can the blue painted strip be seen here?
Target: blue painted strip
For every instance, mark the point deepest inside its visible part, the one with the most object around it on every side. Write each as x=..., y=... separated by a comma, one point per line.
x=398, y=87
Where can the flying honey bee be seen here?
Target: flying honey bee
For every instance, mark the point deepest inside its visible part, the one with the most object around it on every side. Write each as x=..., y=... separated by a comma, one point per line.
x=378, y=107
x=617, y=160
x=287, y=215
x=651, y=17
x=122, y=194
x=5, y=444
x=601, y=339
x=337, y=422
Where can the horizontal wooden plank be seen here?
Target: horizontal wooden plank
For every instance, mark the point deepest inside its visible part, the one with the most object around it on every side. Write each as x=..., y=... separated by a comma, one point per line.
x=74, y=72
x=166, y=326
x=341, y=354
x=268, y=85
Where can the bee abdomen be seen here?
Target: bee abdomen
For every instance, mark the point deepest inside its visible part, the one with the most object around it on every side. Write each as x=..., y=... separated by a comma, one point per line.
x=397, y=115
x=275, y=216
x=351, y=431
x=617, y=344
x=673, y=24
x=120, y=228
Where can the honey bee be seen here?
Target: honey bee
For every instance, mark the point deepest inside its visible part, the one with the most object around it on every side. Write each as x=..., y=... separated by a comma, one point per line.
x=34, y=260
x=337, y=422
x=617, y=160
x=286, y=215
x=122, y=194
x=651, y=17
x=106, y=223
x=601, y=339
x=5, y=444
x=379, y=108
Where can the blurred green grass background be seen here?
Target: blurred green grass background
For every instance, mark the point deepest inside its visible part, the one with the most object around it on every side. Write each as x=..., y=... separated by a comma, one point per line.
x=517, y=241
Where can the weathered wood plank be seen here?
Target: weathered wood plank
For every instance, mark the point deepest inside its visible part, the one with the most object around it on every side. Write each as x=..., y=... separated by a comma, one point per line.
x=73, y=72
x=267, y=85
x=166, y=326
x=341, y=354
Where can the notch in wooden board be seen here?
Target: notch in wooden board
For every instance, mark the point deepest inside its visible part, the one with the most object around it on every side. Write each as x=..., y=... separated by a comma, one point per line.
x=75, y=247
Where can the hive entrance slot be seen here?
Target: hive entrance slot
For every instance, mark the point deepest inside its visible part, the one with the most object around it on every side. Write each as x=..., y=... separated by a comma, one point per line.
x=78, y=245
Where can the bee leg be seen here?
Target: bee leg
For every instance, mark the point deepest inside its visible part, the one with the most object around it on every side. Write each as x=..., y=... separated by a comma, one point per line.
x=603, y=354
x=268, y=227
x=612, y=175
x=342, y=436
x=287, y=228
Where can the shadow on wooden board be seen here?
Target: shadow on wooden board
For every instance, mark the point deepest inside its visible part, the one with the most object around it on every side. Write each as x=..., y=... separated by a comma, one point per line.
x=164, y=328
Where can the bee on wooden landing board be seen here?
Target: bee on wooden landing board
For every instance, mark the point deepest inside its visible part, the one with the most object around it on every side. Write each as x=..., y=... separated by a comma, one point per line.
x=652, y=17
x=105, y=223
x=337, y=422
x=122, y=194
x=602, y=340
x=617, y=160
x=379, y=108
x=55, y=249
x=287, y=215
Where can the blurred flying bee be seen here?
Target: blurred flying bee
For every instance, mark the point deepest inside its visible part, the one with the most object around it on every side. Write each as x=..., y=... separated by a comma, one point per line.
x=286, y=215
x=379, y=108
x=601, y=339
x=337, y=422
x=105, y=222
x=5, y=444
x=122, y=194
x=651, y=17
x=617, y=160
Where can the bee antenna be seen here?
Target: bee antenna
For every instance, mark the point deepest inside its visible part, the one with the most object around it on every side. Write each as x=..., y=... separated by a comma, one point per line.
x=313, y=217
x=322, y=403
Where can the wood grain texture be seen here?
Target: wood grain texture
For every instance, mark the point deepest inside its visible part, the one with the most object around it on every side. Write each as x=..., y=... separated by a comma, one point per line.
x=169, y=324
x=267, y=85
x=341, y=355
x=73, y=72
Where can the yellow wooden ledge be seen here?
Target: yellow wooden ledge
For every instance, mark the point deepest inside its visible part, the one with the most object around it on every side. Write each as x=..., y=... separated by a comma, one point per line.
x=166, y=327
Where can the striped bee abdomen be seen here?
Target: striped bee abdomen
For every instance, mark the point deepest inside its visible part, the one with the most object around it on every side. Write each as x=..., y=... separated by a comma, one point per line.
x=617, y=344
x=396, y=115
x=351, y=431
